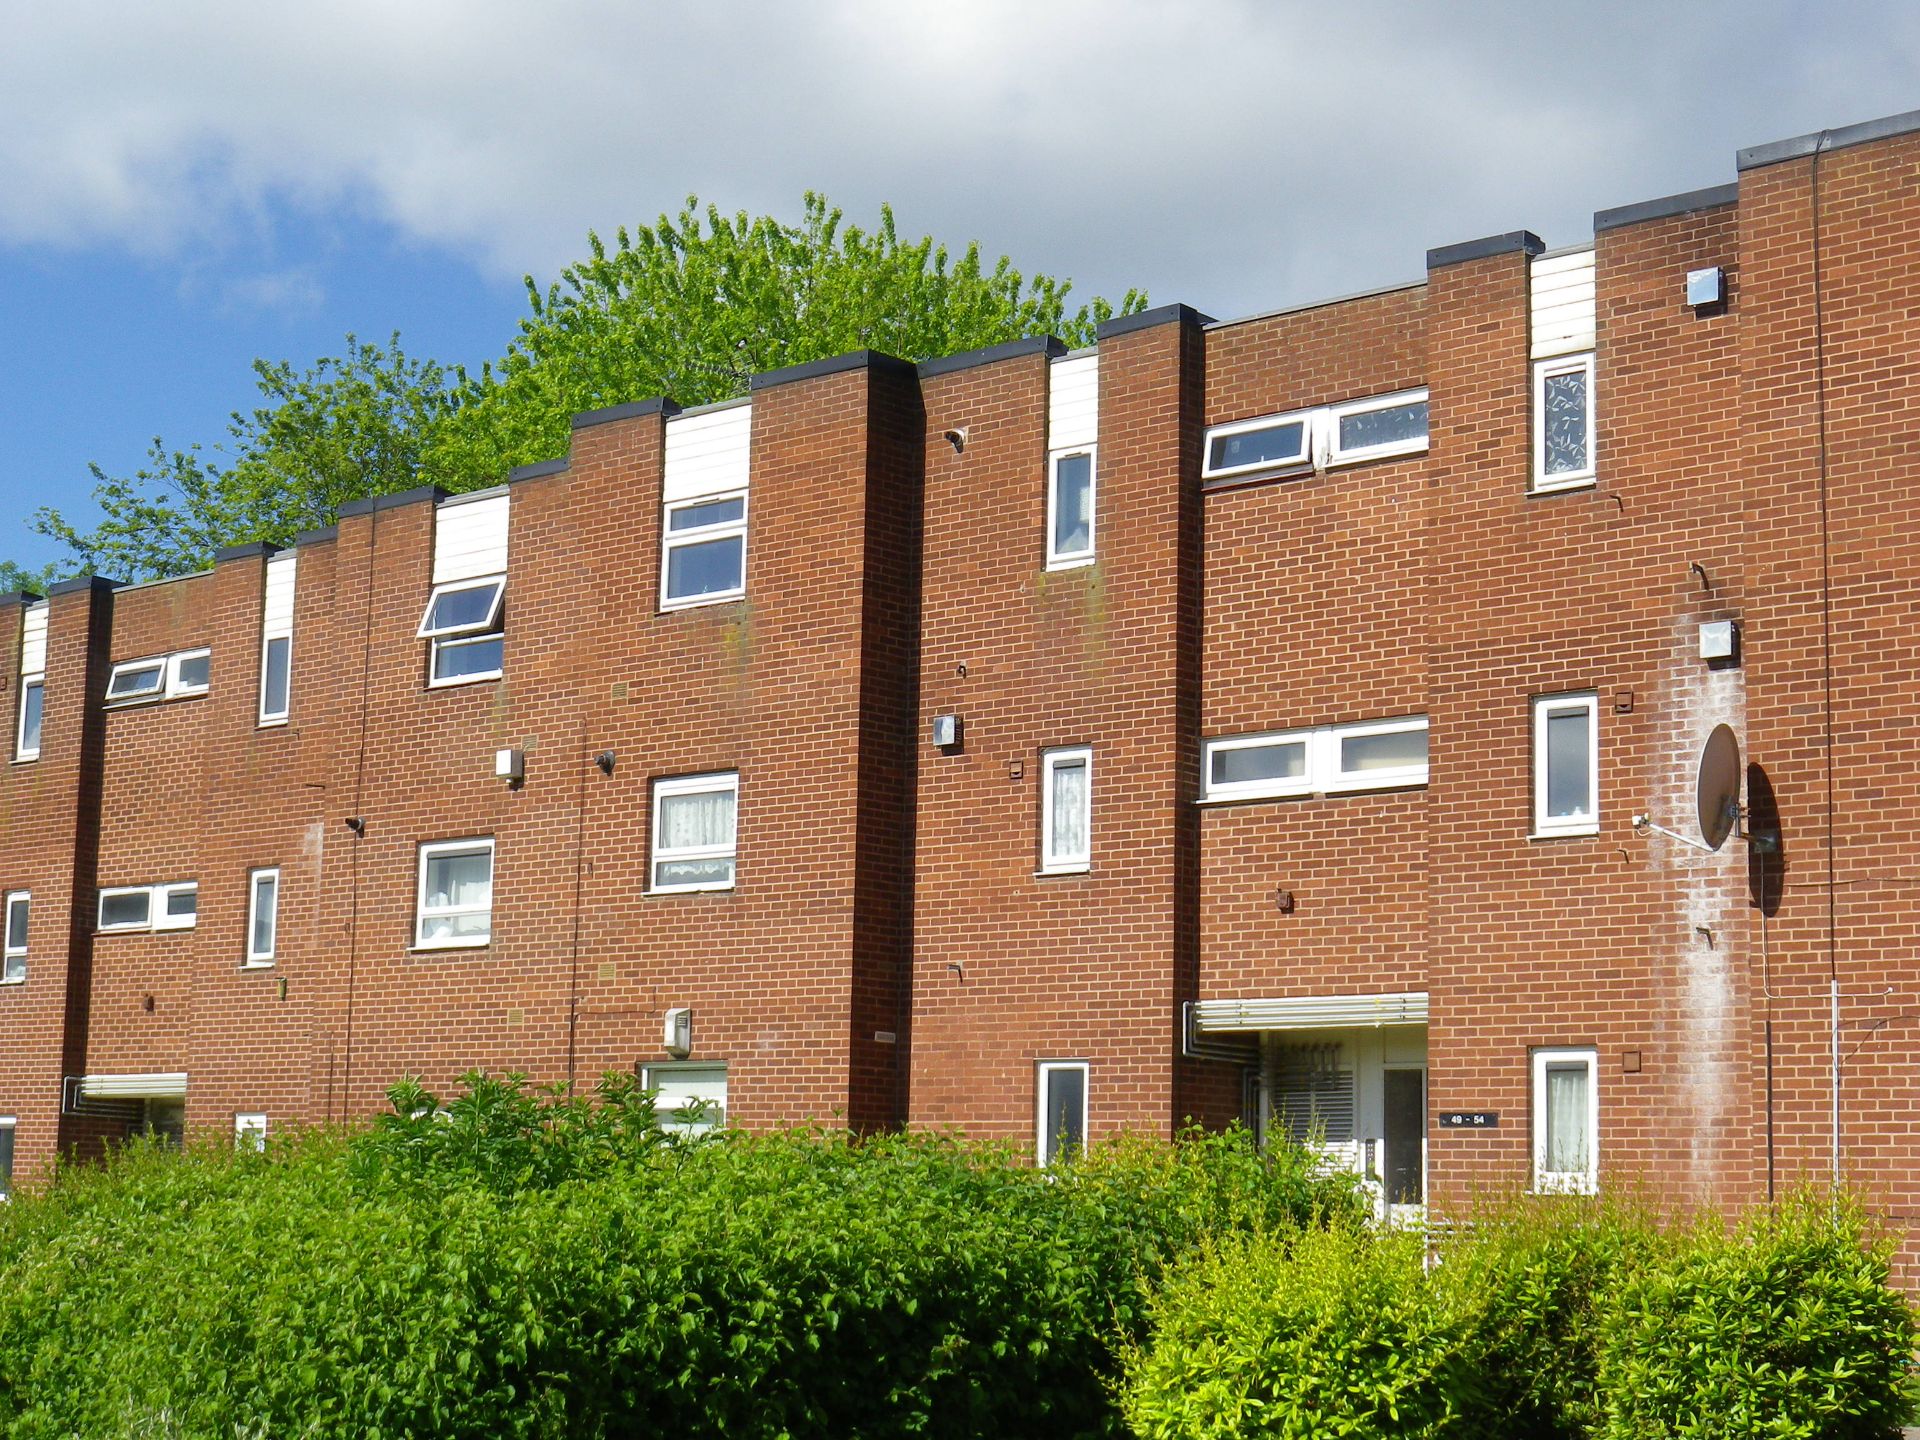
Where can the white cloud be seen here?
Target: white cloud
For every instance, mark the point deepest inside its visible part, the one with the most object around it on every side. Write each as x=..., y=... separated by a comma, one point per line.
x=1232, y=153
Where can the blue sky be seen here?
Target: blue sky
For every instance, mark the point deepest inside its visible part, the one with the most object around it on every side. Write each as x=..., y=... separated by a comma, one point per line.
x=186, y=187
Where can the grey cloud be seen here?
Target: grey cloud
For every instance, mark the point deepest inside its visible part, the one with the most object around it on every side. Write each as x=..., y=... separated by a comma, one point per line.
x=1234, y=155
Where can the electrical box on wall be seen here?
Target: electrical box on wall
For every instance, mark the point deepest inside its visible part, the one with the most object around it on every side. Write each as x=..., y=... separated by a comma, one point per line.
x=510, y=765
x=946, y=732
x=677, y=1034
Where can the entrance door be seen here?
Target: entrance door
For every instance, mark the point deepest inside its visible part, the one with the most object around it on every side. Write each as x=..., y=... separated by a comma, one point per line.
x=1406, y=1135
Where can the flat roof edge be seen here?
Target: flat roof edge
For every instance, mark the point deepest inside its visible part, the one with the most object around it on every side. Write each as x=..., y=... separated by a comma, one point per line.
x=1801, y=146
x=1513, y=242
x=1687, y=203
x=1049, y=345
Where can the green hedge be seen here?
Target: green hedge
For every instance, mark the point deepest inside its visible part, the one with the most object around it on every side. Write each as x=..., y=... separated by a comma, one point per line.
x=531, y=1266
x=1550, y=1319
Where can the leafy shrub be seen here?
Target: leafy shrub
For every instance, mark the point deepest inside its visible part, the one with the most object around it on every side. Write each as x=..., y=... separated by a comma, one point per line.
x=1334, y=1331
x=532, y=1266
x=1526, y=1280
x=1784, y=1327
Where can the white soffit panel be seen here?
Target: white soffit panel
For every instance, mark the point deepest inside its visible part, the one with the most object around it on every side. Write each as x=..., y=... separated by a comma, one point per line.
x=277, y=617
x=707, y=453
x=1562, y=288
x=33, y=639
x=1073, y=405
x=1310, y=1012
x=469, y=538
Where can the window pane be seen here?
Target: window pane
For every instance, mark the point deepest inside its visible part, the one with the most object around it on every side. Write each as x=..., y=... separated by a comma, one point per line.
x=132, y=908
x=1569, y=786
x=32, y=701
x=1395, y=750
x=1249, y=765
x=6, y=1159
x=455, y=659
x=1565, y=425
x=699, y=821
x=1384, y=427
x=682, y=1088
x=275, y=673
x=463, y=609
x=1567, y=1142
x=717, y=871
x=472, y=924
x=460, y=880
x=136, y=682
x=1068, y=840
x=711, y=512
x=1064, y=1113
x=1073, y=505
x=710, y=567
x=266, y=912
x=183, y=902
x=17, y=924
x=1274, y=444
x=193, y=672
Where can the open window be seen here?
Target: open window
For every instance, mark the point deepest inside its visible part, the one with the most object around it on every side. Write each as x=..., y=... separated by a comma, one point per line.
x=463, y=620
x=1378, y=427
x=181, y=675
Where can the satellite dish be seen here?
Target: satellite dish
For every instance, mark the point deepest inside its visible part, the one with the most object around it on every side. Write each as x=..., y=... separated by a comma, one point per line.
x=1717, y=790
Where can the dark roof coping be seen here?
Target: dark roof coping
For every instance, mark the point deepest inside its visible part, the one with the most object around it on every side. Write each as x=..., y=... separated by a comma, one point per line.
x=545, y=467
x=1049, y=345
x=20, y=597
x=1523, y=242
x=245, y=552
x=876, y=360
x=1685, y=204
x=370, y=503
x=317, y=537
x=98, y=584
x=1800, y=146
x=632, y=410
x=1148, y=319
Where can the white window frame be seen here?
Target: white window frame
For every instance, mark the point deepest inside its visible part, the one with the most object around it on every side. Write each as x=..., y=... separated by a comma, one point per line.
x=1303, y=461
x=466, y=634
x=162, y=894
x=1323, y=772
x=250, y=1130
x=1545, y=826
x=1043, y=1071
x=1320, y=447
x=671, y=540
x=473, y=845
x=262, y=959
x=1571, y=479
x=21, y=751
x=1337, y=455
x=707, y=784
x=178, y=688
x=669, y=1108
x=1566, y=1182
x=113, y=892
x=1073, y=559
x=275, y=717
x=1050, y=761
x=155, y=691
x=13, y=958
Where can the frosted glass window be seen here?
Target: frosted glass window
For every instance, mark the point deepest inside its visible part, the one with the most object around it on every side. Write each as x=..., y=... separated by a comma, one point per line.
x=1070, y=509
x=1563, y=423
x=693, y=832
x=455, y=905
x=1067, y=809
x=1372, y=429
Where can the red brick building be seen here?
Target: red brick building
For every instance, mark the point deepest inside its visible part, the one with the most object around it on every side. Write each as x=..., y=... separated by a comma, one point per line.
x=1249, y=718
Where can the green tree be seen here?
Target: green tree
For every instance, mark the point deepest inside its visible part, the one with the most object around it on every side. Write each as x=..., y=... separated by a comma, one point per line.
x=689, y=307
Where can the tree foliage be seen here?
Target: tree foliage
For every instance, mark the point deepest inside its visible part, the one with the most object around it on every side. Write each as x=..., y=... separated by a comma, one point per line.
x=688, y=307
